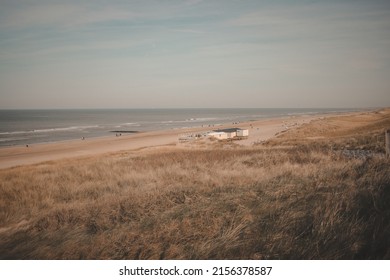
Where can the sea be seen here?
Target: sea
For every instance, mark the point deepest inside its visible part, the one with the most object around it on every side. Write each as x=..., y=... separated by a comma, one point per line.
x=24, y=127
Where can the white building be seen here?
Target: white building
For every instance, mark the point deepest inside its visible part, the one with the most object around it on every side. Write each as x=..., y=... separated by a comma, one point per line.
x=220, y=135
x=234, y=132
x=229, y=133
x=242, y=132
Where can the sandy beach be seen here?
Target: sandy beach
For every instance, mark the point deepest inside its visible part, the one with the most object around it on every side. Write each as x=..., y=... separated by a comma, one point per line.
x=259, y=130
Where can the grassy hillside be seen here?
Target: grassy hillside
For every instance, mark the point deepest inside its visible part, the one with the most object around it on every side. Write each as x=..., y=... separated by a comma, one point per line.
x=321, y=191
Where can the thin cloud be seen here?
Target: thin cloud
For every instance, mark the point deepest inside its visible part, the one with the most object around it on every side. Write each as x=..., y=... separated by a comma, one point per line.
x=313, y=16
x=72, y=48
x=183, y=30
x=57, y=15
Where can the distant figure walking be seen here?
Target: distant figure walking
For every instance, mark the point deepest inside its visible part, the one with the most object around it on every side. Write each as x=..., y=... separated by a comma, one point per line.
x=83, y=138
x=27, y=146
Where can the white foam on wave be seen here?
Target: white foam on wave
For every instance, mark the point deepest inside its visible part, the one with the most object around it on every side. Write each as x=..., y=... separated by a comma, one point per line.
x=189, y=120
x=131, y=124
x=13, y=139
x=70, y=128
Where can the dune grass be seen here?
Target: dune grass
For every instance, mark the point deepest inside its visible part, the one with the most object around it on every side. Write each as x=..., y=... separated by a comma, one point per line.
x=297, y=196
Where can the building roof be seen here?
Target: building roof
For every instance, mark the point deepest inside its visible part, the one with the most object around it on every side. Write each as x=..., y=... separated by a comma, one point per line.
x=228, y=130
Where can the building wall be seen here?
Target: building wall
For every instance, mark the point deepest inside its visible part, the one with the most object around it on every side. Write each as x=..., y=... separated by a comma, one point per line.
x=219, y=135
x=243, y=132
x=231, y=134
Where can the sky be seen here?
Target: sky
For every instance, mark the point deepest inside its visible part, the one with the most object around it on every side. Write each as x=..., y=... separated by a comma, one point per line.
x=194, y=53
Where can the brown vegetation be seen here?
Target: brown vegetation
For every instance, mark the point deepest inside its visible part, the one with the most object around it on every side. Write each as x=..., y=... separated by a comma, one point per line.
x=298, y=196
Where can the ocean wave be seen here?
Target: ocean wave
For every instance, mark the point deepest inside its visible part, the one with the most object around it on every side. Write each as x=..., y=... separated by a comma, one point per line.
x=13, y=139
x=127, y=125
x=189, y=120
x=70, y=128
x=130, y=124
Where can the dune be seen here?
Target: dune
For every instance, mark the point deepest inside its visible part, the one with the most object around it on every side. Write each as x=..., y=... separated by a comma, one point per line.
x=319, y=190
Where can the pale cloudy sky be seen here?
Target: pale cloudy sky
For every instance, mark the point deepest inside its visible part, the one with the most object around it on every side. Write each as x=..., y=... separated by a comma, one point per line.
x=194, y=53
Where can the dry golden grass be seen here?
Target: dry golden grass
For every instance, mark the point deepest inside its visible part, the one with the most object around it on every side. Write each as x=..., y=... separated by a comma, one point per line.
x=296, y=197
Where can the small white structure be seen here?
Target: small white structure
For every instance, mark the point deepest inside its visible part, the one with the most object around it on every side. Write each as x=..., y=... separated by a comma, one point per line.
x=218, y=135
x=242, y=132
x=221, y=134
x=231, y=134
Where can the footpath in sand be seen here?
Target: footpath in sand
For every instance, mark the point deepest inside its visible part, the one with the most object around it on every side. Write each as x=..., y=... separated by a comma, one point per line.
x=260, y=130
